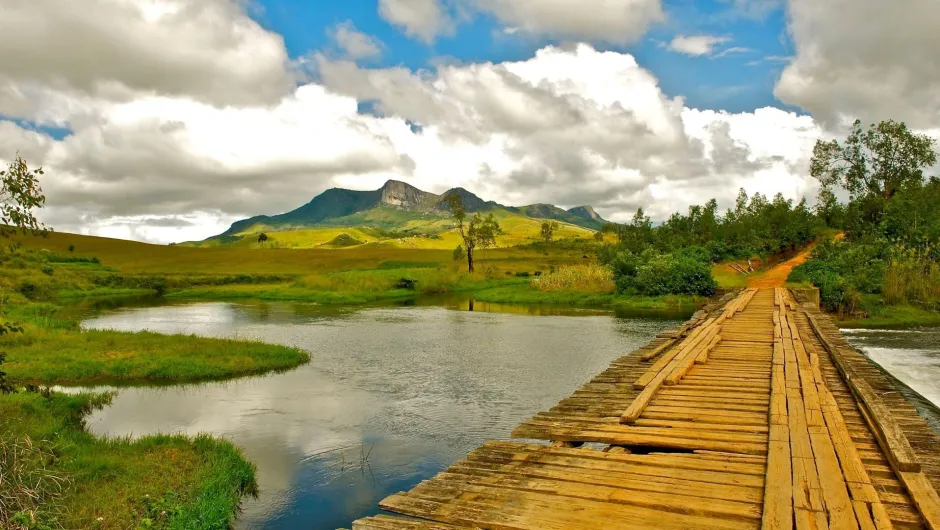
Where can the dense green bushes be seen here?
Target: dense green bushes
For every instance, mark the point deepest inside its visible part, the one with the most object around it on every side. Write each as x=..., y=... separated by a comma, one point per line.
x=845, y=271
x=650, y=273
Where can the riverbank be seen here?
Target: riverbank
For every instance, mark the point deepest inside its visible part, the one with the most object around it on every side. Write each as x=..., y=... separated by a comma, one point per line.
x=892, y=317
x=76, y=480
x=58, y=474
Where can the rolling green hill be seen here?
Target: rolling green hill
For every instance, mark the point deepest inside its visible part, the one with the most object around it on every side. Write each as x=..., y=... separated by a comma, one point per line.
x=398, y=215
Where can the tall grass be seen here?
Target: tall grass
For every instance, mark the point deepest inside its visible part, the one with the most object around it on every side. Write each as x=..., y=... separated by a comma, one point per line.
x=912, y=281
x=591, y=278
x=29, y=481
x=116, y=483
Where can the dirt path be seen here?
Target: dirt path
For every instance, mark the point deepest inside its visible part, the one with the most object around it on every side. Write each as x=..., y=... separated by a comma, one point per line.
x=777, y=276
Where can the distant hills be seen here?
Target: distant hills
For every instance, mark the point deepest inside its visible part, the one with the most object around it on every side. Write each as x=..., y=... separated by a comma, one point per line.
x=396, y=210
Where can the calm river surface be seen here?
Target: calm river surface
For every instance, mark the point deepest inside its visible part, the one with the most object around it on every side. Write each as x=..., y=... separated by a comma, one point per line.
x=391, y=396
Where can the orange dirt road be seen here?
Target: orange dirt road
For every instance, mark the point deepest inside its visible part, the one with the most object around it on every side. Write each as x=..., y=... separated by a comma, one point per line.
x=777, y=276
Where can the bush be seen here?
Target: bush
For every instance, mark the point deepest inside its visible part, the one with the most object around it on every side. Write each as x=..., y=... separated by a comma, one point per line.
x=406, y=283
x=654, y=274
x=522, y=275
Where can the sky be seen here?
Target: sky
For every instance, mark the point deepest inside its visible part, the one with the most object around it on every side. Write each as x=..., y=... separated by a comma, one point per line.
x=167, y=120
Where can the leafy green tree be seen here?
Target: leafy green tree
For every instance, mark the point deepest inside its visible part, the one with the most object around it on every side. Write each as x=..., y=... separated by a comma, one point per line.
x=548, y=231
x=880, y=161
x=262, y=238
x=20, y=195
x=458, y=254
x=828, y=208
x=599, y=236
x=479, y=232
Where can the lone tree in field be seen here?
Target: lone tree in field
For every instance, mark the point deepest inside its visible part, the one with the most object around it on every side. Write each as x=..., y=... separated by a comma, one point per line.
x=20, y=194
x=262, y=238
x=548, y=231
x=878, y=162
x=480, y=232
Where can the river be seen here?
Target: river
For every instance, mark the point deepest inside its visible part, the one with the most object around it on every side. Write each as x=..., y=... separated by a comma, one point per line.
x=391, y=396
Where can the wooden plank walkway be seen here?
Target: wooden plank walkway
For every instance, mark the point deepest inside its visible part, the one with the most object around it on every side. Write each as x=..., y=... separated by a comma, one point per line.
x=754, y=414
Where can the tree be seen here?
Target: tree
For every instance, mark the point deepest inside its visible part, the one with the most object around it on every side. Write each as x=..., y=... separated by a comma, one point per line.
x=20, y=193
x=262, y=238
x=878, y=162
x=480, y=232
x=828, y=208
x=599, y=236
x=458, y=254
x=548, y=231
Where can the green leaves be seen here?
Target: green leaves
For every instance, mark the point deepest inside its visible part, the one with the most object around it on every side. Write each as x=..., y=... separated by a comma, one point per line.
x=881, y=161
x=20, y=193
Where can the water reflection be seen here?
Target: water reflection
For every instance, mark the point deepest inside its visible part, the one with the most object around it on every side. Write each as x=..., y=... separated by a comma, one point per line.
x=391, y=396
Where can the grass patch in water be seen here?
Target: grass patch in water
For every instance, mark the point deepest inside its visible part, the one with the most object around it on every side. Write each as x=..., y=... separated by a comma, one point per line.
x=154, y=482
x=54, y=350
x=525, y=293
x=68, y=356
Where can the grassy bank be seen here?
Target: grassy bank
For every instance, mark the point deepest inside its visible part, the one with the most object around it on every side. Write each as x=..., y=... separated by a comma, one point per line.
x=885, y=316
x=54, y=350
x=81, y=481
x=525, y=293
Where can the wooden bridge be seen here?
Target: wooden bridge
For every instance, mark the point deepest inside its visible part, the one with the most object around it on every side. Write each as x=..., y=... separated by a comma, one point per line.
x=754, y=414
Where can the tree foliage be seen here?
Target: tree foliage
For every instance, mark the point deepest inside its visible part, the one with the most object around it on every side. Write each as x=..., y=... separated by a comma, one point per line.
x=20, y=195
x=754, y=226
x=479, y=232
x=878, y=162
x=548, y=231
x=891, y=250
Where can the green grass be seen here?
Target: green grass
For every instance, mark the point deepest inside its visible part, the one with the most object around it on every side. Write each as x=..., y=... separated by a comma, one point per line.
x=728, y=278
x=68, y=356
x=525, y=293
x=288, y=292
x=118, y=483
x=891, y=317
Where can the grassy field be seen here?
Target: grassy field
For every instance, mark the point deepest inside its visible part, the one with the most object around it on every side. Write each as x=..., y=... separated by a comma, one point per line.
x=433, y=233
x=81, y=481
x=130, y=257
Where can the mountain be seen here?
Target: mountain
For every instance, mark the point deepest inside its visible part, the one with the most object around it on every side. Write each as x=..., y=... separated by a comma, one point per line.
x=581, y=215
x=396, y=209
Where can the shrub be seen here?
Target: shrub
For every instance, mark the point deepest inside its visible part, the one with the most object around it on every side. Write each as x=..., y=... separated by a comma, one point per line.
x=654, y=274
x=406, y=283
x=522, y=274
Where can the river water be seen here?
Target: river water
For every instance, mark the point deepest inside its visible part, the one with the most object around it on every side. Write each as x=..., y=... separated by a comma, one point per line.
x=911, y=357
x=391, y=396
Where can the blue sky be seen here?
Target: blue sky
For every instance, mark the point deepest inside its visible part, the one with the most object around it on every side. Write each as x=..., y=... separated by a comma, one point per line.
x=738, y=82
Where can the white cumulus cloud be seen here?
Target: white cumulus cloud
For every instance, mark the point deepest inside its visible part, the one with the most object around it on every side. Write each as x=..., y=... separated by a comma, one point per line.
x=353, y=43
x=866, y=59
x=570, y=125
x=696, y=45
